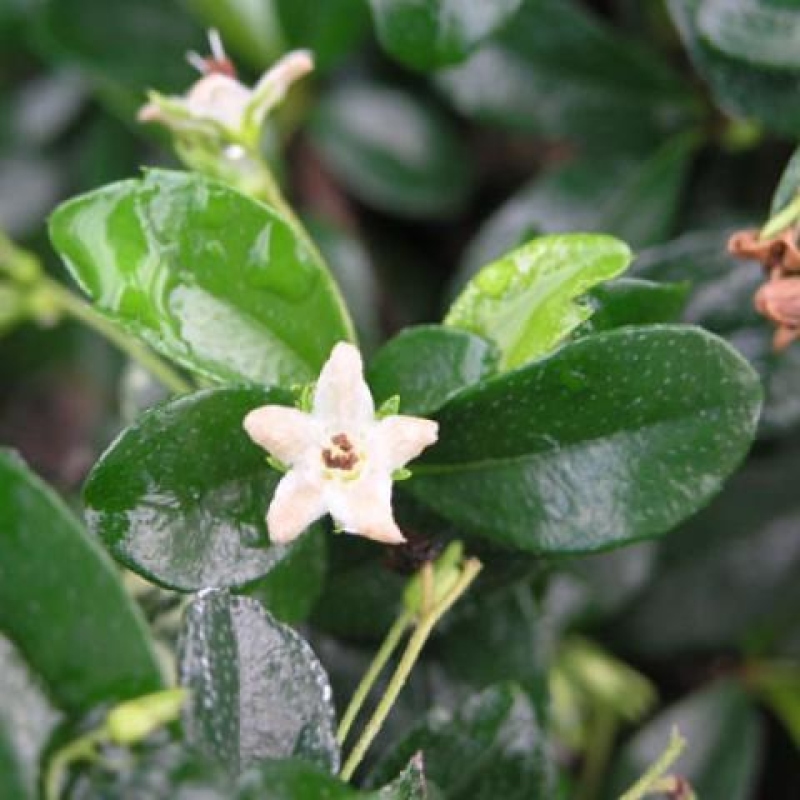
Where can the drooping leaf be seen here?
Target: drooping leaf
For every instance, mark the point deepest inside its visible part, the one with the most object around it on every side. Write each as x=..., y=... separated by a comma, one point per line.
x=427, y=365
x=393, y=150
x=723, y=752
x=614, y=438
x=181, y=496
x=62, y=603
x=491, y=747
x=209, y=277
x=426, y=34
x=525, y=302
x=257, y=689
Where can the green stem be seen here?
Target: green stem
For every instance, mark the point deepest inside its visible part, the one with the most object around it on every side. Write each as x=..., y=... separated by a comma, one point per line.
x=70, y=304
x=393, y=638
x=654, y=775
x=83, y=749
x=602, y=733
x=425, y=626
x=782, y=220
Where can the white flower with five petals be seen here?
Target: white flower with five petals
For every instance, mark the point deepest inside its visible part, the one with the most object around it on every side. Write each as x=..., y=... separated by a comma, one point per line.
x=341, y=458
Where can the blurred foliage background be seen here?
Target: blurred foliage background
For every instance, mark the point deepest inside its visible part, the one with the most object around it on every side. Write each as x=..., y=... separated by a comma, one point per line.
x=667, y=124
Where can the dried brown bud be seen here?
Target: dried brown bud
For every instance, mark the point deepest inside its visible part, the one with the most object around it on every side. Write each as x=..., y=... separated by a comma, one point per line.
x=779, y=301
x=779, y=253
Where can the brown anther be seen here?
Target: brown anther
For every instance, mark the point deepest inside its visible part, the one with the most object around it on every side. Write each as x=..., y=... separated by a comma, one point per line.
x=778, y=253
x=219, y=66
x=342, y=455
x=779, y=301
x=342, y=442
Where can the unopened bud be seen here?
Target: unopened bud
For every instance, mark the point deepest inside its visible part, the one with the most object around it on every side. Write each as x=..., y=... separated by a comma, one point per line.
x=133, y=721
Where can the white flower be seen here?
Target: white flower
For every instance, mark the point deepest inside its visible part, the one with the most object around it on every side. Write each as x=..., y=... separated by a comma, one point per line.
x=220, y=99
x=341, y=457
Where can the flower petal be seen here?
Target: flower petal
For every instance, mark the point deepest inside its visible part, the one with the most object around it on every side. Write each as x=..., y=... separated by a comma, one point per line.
x=276, y=81
x=364, y=507
x=288, y=434
x=342, y=398
x=219, y=97
x=296, y=504
x=402, y=438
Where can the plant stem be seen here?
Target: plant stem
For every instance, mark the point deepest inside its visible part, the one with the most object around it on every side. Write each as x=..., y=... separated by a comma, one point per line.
x=782, y=220
x=396, y=633
x=425, y=625
x=654, y=775
x=602, y=733
x=70, y=304
x=82, y=749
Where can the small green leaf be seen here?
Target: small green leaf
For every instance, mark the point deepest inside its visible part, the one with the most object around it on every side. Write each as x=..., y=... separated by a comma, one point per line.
x=62, y=603
x=393, y=150
x=616, y=437
x=426, y=34
x=181, y=496
x=427, y=365
x=257, y=689
x=209, y=277
x=526, y=302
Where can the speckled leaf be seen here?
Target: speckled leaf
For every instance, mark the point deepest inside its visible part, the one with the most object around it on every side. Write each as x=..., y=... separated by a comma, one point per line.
x=410, y=784
x=257, y=689
x=209, y=277
x=491, y=747
x=62, y=603
x=181, y=496
x=426, y=34
x=26, y=721
x=427, y=365
x=723, y=755
x=616, y=437
x=393, y=150
x=527, y=302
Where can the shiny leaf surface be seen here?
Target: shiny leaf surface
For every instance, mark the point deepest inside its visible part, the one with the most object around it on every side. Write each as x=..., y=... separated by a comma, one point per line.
x=207, y=276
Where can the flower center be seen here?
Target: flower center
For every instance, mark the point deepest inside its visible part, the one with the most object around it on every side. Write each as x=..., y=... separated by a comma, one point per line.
x=341, y=454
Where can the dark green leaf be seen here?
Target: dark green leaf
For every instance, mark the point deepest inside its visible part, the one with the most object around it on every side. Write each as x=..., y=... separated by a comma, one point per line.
x=559, y=72
x=723, y=754
x=394, y=151
x=427, y=365
x=426, y=34
x=257, y=689
x=62, y=603
x=181, y=496
x=528, y=302
x=492, y=747
x=614, y=438
x=211, y=278
x=410, y=784
x=26, y=722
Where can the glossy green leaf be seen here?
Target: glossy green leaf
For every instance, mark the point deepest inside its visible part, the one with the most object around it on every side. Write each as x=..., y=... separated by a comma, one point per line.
x=526, y=302
x=181, y=496
x=762, y=32
x=26, y=722
x=723, y=752
x=634, y=199
x=257, y=689
x=214, y=280
x=393, y=150
x=426, y=34
x=740, y=88
x=616, y=437
x=604, y=81
x=427, y=365
x=477, y=751
x=61, y=601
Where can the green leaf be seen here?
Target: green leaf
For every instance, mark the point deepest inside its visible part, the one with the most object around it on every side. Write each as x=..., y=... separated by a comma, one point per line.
x=602, y=78
x=428, y=365
x=61, y=601
x=393, y=150
x=759, y=32
x=476, y=751
x=525, y=302
x=26, y=722
x=181, y=496
x=740, y=88
x=614, y=438
x=723, y=754
x=257, y=689
x=426, y=34
x=410, y=784
x=209, y=277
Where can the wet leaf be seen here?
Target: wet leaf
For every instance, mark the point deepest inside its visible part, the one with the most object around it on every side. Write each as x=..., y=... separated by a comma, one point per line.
x=61, y=601
x=658, y=417
x=181, y=496
x=426, y=34
x=525, y=302
x=212, y=279
x=257, y=689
